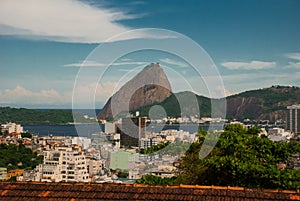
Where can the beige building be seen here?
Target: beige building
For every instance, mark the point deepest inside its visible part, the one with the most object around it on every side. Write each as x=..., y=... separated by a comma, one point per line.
x=3, y=173
x=11, y=128
x=63, y=164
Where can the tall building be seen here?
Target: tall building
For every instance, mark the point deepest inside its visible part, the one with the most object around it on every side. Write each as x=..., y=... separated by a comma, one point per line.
x=293, y=119
x=133, y=129
x=11, y=128
x=67, y=164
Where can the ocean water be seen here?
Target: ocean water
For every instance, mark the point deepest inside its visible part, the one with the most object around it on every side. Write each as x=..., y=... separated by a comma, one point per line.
x=88, y=129
x=65, y=130
x=89, y=112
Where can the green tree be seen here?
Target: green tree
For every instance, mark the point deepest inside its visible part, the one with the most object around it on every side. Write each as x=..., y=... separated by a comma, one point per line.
x=123, y=174
x=154, y=148
x=13, y=157
x=241, y=158
x=27, y=135
x=155, y=180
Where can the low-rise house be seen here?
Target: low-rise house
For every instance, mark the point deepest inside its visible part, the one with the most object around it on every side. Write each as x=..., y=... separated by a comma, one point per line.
x=14, y=173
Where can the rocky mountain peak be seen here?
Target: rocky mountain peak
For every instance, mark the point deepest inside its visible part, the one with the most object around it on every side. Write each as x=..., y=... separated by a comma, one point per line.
x=149, y=86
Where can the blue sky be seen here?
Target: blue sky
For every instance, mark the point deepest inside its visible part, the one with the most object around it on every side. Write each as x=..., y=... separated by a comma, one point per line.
x=254, y=44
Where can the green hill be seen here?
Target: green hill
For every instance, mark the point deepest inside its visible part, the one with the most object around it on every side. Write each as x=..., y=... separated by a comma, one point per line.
x=268, y=103
x=187, y=107
x=32, y=116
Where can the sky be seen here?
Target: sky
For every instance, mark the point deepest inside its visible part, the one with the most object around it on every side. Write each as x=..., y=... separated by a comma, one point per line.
x=50, y=49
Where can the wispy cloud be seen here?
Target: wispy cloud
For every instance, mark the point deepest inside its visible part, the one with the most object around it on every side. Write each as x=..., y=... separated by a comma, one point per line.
x=293, y=65
x=129, y=63
x=62, y=20
x=24, y=96
x=252, y=65
x=295, y=56
x=97, y=64
x=174, y=62
x=86, y=64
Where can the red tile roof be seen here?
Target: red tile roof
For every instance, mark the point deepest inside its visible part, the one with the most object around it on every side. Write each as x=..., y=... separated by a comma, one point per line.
x=35, y=191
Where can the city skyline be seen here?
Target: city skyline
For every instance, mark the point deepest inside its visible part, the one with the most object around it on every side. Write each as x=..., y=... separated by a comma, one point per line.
x=254, y=44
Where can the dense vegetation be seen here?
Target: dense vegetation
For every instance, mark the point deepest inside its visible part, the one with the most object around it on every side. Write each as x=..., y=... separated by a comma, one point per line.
x=31, y=116
x=273, y=97
x=173, y=108
x=14, y=157
x=240, y=158
x=267, y=100
x=26, y=135
x=153, y=149
x=155, y=180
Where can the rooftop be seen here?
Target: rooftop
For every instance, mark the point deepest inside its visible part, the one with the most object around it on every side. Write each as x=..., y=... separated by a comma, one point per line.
x=294, y=107
x=91, y=191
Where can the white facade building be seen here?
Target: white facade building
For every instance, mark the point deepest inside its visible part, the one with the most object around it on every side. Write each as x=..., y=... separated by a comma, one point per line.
x=67, y=164
x=147, y=142
x=109, y=127
x=275, y=131
x=293, y=119
x=11, y=128
x=84, y=142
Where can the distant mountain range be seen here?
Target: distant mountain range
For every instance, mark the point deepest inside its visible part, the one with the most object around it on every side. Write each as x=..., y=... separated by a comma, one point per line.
x=268, y=103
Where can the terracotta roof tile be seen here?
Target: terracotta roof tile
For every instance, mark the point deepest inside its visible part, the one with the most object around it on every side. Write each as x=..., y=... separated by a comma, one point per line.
x=85, y=191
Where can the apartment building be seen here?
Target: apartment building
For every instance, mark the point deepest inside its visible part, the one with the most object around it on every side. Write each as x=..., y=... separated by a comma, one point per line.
x=11, y=128
x=63, y=164
x=293, y=118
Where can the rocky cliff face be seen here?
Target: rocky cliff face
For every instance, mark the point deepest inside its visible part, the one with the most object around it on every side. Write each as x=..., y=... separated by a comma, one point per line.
x=262, y=104
x=269, y=103
x=149, y=86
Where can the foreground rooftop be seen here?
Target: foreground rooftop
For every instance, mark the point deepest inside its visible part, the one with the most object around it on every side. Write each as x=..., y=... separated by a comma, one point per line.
x=37, y=191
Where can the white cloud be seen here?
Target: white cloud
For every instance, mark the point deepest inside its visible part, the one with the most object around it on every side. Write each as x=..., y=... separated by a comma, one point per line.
x=253, y=65
x=174, y=62
x=295, y=56
x=129, y=63
x=23, y=95
x=247, y=81
x=86, y=64
x=62, y=20
x=294, y=65
x=96, y=64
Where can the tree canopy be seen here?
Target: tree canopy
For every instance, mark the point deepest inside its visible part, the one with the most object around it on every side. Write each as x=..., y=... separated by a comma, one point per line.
x=45, y=116
x=13, y=157
x=155, y=180
x=241, y=158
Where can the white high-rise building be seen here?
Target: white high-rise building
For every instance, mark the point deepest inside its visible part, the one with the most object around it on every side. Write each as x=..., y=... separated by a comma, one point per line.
x=63, y=164
x=11, y=128
x=293, y=119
